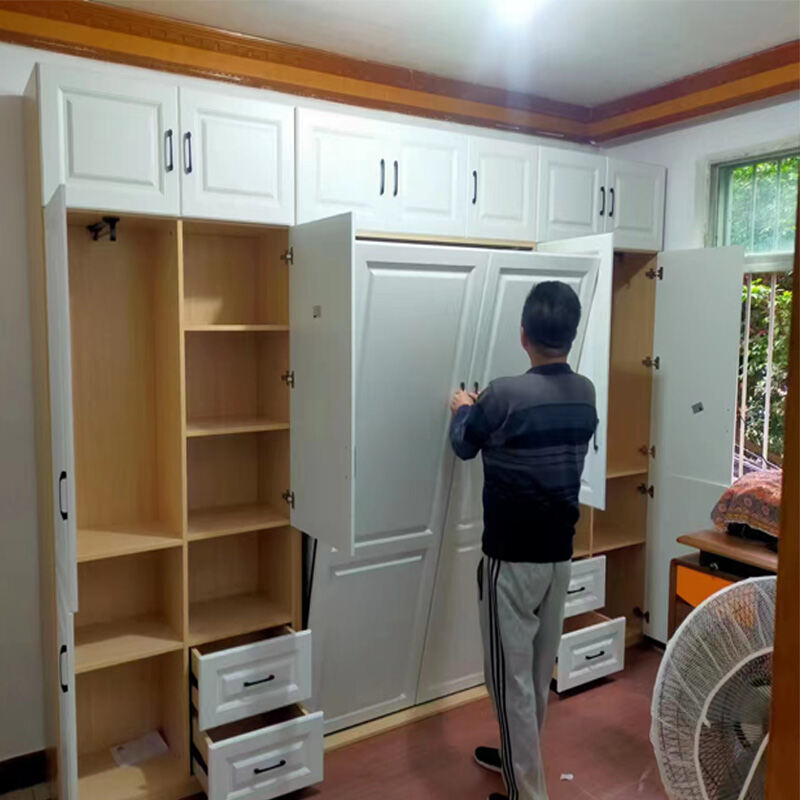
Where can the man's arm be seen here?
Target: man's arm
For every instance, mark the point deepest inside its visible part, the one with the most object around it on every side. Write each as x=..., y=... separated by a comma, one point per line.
x=474, y=420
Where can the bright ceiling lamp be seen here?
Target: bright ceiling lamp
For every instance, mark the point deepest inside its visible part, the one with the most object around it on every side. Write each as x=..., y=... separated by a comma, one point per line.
x=516, y=12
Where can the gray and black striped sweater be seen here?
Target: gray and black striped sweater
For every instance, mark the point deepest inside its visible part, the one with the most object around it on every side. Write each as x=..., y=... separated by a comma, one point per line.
x=534, y=431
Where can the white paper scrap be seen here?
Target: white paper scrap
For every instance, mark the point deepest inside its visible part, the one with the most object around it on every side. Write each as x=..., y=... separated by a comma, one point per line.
x=567, y=776
x=151, y=745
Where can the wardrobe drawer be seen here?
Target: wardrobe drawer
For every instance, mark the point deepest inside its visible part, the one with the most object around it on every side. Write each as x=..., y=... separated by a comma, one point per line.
x=587, y=586
x=247, y=675
x=592, y=646
x=265, y=756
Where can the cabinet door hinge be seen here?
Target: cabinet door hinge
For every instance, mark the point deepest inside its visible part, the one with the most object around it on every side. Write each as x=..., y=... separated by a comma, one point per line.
x=288, y=256
x=645, y=489
x=288, y=378
x=648, y=451
x=288, y=496
x=655, y=273
x=639, y=614
x=652, y=362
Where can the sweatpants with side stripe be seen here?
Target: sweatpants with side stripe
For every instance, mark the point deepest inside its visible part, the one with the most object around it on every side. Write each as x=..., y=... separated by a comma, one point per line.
x=521, y=614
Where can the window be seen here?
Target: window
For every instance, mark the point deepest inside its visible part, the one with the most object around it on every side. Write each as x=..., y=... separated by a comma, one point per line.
x=756, y=207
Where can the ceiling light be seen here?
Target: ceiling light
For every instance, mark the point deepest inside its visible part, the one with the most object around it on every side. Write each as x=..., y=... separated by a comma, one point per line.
x=516, y=12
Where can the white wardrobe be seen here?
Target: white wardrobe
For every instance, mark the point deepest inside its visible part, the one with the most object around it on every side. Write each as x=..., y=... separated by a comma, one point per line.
x=425, y=319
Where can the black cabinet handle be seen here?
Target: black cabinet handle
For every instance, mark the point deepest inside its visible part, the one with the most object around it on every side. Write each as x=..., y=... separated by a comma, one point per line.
x=476, y=387
x=462, y=385
x=187, y=152
x=602, y=200
x=281, y=763
x=62, y=480
x=61, y=653
x=383, y=176
x=611, y=210
x=596, y=655
x=170, y=159
x=396, y=182
x=262, y=680
x=576, y=591
x=474, y=186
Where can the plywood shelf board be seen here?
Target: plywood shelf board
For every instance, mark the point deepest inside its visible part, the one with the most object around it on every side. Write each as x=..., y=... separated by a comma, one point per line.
x=123, y=540
x=231, y=425
x=606, y=540
x=224, y=327
x=221, y=617
x=210, y=522
x=626, y=472
x=119, y=641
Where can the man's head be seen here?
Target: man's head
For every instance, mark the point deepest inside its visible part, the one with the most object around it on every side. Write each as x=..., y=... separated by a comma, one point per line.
x=550, y=320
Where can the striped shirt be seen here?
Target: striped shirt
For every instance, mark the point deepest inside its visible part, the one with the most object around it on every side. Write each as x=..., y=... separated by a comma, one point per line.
x=534, y=431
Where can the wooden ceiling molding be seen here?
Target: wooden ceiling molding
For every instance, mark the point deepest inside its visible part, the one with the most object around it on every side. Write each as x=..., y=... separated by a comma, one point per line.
x=107, y=33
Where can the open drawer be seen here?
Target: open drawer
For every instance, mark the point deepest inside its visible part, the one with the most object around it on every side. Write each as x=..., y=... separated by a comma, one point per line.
x=587, y=586
x=236, y=678
x=265, y=756
x=592, y=646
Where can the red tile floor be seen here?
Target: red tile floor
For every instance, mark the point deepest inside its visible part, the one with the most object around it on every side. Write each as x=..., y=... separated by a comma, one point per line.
x=600, y=735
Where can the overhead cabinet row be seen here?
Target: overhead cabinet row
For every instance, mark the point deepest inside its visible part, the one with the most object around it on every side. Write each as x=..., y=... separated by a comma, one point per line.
x=144, y=147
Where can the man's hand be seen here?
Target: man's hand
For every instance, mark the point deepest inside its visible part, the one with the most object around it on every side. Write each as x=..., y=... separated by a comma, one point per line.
x=462, y=398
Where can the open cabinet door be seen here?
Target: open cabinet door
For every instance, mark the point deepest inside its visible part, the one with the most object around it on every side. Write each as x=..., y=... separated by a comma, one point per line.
x=594, y=357
x=321, y=358
x=60, y=379
x=696, y=338
x=67, y=725
x=453, y=656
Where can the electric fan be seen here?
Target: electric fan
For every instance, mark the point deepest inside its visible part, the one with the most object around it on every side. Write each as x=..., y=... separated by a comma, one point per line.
x=710, y=713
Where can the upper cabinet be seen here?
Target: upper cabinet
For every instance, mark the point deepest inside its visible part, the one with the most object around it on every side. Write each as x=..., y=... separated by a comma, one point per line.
x=635, y=213
x=398, y=178
x=502, y=182
x=237, y=158
x=111, y=141
x=583, y=193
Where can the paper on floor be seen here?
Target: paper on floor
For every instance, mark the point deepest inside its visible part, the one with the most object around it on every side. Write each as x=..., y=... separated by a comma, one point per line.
x=151, y=745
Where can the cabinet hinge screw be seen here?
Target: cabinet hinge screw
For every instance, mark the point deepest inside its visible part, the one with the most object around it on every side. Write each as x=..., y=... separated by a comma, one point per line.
x=288, y=496
x=652, y=362
x=645, y=489
x=288, y=256
x=648, y=451
x=288, y=378
x=655, y=273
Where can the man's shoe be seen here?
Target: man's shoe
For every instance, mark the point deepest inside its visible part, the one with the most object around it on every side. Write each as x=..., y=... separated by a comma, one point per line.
x=498, y=796
x=489, y=758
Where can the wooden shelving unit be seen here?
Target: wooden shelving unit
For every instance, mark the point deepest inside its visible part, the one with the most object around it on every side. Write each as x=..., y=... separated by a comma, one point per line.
x=180, y=337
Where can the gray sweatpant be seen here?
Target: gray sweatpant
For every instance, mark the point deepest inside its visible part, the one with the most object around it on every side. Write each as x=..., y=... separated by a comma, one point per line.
x=521, y=613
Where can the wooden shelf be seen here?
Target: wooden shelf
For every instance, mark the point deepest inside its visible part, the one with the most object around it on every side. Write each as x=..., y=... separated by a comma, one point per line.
x=721, y=543
x=109, y=542
x=211, y=522
x=625, y=472
x=226, y=426
x=99, y=778
x=606, y=540
x=228, y=328
x=232, y=616
x=118, y=641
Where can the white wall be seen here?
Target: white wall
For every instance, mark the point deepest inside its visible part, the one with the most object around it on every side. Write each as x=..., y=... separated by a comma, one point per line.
x=688, y=153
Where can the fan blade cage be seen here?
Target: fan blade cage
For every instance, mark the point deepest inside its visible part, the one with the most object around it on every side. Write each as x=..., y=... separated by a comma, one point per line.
x=711, y=698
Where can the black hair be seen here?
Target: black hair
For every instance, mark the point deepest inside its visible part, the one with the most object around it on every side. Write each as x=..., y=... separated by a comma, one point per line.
x=550, y=316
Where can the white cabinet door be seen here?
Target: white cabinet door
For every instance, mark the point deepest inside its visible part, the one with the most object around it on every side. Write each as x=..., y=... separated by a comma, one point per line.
x=342, y=165
x=572, y=194
x=60, y=380
x=67, y=720
x=237, y=158
x=696, y=337
x=453, y=656
x=502, y=189
x=635, y=212
x=111, y=141
x=594, y=359
x=426, y=184
x=416, y=315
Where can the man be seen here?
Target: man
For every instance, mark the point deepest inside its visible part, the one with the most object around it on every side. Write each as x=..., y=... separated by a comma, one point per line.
x=534, y=431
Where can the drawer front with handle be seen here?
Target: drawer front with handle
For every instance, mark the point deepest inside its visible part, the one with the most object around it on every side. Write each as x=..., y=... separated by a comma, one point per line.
x=587, y=586
x=590, y=653
x=258, y=759
x=239, y=681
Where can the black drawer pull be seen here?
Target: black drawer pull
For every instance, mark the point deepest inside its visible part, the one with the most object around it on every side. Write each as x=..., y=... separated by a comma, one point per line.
x=187, y=152
x=281, y=763
x=474, y=186
x=602, y=200
x=170, y=158
x=596, y=655
x=62, y=505
x=576, y=591
x=383, y=176
x=262, y=680
x=396, y=179
x=611, y=210
x=61, y=653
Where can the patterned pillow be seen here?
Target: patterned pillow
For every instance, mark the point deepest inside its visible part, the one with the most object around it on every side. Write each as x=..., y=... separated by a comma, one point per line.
x=753, y=500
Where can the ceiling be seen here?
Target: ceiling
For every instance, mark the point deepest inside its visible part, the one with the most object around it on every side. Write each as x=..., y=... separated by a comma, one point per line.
x=586, y=52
